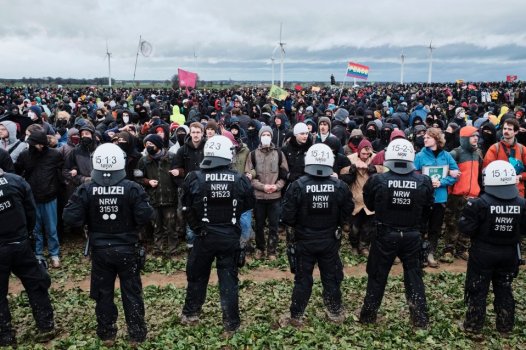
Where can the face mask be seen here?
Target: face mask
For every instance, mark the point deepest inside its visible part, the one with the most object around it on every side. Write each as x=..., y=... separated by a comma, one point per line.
x=126, y=119
x=85, y=141
x=180, y=138
x=356, y=140
x=84, y=112
x=122, y=145
x=32, y=115
x=419, y=141
x=251, y=131
x=266, y=140
x=151, y=150
x=371, y=134
x=449, y=136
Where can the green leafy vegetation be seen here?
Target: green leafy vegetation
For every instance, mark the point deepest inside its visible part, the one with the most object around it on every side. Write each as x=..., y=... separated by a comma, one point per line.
x=261, y=306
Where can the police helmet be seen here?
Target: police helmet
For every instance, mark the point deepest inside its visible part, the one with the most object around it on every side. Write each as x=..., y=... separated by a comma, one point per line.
x=218, y=151
x=109, y=162
x=319, y=160
x=399, y=156
x=500, y=180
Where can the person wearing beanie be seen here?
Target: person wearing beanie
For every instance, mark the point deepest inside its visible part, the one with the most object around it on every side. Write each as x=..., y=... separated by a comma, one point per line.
x=354, y=140
x=469, y=160
x=362, y=218
x=261, y=167
x=154, y=173
x=295, y=151
x=324, y=129
x=41, y=167
x=211, y=128
x=437, y=163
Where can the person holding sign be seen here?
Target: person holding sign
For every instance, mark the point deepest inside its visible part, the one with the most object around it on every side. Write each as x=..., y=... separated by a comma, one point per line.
x=440, y=166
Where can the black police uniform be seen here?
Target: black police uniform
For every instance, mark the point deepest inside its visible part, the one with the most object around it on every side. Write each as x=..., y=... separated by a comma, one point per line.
x=17, y=215
x=401, y=203
x=113, y=214
x=214, y=200
x=316, y=207
x=494, y=226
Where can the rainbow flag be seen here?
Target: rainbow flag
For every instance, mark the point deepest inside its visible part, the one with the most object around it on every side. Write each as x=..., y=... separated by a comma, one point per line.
x=356, y=70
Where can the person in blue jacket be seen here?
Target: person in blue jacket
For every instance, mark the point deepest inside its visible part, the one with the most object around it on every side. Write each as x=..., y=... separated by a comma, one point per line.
x=436, y=162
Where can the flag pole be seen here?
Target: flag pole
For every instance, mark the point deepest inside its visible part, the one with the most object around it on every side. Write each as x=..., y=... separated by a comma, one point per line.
x=137, y=57
x=343, y=83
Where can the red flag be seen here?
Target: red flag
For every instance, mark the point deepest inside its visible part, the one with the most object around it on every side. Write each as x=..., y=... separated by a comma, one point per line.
x=186, y=79
x=298, y=87
x=511, y=78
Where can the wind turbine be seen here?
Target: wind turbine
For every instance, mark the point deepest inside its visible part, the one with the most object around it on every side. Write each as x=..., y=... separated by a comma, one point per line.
x=402, y=58
x=272, y=59
x=282, y=55
x=108, y=54
x=195, y=60
x=431, y=48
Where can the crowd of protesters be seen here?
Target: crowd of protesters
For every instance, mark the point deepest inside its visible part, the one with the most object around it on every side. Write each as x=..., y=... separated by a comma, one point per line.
x=48, y=134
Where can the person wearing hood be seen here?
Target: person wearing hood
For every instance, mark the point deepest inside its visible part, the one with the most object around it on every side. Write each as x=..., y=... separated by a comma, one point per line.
x=452, y=137
x=252, y=139
x=379, y=158
x=371, y=131
x=8, y=140
x=6, y=163
x=279, y=131
x=469, y=160
x=128, y=143
x=78, y=165
x=177, y=116
x=35, y=114
x=153, y=172
x=353, y=143
x=312, y=126
x=419, y=111
x=339, y=125
x=401, y=115
x=295, y=151
x=488, y=136
x=41, y=167
x=362, y=218
x=385, y=135
x=431, y=157
x=20, y=120
x=179, y=138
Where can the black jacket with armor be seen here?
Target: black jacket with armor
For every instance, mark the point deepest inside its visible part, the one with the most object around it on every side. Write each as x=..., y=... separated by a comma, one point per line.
x=316, y=206
x=214, y=199
x=400, y=201
x=493, y=220
x=112, y=213
x=17, y=208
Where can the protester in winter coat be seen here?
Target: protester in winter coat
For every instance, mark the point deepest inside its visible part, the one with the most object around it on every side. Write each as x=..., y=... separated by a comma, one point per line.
x=9, y=141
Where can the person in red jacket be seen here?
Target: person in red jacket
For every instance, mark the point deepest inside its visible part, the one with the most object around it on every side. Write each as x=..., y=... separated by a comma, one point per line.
x=510, y=150
x=469, y=160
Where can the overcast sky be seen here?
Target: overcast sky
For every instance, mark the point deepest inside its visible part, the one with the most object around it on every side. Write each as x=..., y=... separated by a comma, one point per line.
x=233, y=39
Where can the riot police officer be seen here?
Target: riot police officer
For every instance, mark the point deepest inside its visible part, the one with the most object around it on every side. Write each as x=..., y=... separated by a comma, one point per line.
x=401, y=200
x=214, y=198
x=18, y=215
x=113, y=208
x=315, y=206
x=494, y=222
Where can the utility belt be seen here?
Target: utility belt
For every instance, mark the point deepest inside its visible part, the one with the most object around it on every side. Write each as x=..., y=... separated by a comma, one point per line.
x=383, y=229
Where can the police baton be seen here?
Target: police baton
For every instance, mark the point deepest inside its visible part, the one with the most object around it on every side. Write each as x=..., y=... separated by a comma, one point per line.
x=86, y=247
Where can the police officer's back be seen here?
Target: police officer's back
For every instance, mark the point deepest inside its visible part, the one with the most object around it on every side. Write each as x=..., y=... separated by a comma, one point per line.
x=401, y=200
x=214, y=198
x=315, y=206
x=113, y=208
x=494, y=221
x=17, y=215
